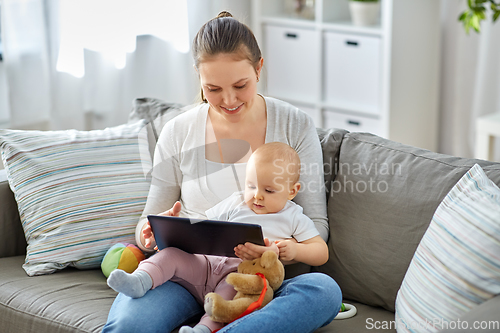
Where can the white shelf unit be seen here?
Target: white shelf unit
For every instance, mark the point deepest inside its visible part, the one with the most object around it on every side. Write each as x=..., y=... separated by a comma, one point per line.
x=382, y=79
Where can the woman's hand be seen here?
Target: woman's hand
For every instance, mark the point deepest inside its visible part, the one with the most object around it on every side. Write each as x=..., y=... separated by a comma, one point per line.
x=250, y=251
x=174, y=211
x=147, y=236
x=147, y=233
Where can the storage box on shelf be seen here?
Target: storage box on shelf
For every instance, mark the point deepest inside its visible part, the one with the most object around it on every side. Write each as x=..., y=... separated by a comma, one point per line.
x=292, y=69
x=381, y=79
x=352, y=72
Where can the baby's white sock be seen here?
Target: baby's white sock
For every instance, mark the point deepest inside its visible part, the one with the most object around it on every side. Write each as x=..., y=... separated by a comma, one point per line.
x=134, y=285
x=197, y=329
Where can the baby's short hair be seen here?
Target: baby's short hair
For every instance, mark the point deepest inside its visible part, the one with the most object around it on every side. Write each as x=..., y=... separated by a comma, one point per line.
x=282, y=154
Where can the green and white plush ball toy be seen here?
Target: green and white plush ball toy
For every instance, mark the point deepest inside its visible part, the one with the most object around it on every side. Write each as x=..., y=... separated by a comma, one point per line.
x=122, y=256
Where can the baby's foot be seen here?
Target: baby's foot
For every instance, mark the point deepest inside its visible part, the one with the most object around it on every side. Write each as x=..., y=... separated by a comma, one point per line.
x=196, y=329
x=134, y=285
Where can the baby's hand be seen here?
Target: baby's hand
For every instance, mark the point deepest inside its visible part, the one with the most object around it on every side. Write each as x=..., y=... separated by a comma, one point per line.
x=287, y=249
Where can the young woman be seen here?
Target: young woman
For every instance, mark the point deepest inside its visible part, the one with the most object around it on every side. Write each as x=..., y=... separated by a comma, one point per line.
x=200, y=160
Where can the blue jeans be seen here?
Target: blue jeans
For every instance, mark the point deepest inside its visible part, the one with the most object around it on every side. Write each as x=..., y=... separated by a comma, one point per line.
x=302, y=304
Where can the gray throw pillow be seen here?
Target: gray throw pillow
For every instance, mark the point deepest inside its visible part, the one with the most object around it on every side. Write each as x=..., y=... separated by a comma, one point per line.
x=330, y=140
x=156, y=113
x=380, y=204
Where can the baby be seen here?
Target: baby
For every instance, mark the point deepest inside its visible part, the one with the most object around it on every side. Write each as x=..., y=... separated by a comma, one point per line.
x=272, y=181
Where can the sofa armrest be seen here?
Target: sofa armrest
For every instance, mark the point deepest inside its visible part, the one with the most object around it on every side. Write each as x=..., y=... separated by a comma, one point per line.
x=483, y=318
x=12, y=241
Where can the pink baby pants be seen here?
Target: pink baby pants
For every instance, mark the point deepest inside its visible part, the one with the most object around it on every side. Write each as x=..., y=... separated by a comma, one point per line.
x=199, y=274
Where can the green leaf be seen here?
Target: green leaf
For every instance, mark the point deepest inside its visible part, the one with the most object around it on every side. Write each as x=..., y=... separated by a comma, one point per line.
x=476, y=12
x=495, y=16
x=466, y=22
x=474, y=22
x=478, y=9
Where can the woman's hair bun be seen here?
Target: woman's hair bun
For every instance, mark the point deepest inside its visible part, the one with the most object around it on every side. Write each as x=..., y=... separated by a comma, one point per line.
x=224, y=14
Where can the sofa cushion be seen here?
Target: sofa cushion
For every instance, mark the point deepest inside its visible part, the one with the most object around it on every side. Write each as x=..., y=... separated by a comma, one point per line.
x=380, y=205
x=457, y=264
x=156, y=113
x=367, y=319
x=78, y=192
x=330, y=140
x=479, y=319
x=69, y=301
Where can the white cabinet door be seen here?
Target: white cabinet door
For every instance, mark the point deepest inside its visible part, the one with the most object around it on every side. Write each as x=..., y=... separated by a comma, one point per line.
x=352, y=123
x=353, y=69
x=292, y=66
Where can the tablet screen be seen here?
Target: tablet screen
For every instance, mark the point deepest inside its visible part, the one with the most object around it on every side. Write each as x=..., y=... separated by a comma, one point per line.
x=203, y=236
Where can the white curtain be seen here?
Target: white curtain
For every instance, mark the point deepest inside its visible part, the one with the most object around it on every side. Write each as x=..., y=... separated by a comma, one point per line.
x=94, y=81
x=470, y=79
x=26, y=60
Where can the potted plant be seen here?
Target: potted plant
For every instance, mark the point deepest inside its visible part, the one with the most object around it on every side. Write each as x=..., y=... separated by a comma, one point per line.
x=476, y=12
x=364, y=12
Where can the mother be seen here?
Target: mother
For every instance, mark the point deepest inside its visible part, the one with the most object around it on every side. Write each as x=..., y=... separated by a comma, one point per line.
x=200, y=159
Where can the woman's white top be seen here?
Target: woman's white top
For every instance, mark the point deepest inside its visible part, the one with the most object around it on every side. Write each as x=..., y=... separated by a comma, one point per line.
x=223, y=179
x=180, y=171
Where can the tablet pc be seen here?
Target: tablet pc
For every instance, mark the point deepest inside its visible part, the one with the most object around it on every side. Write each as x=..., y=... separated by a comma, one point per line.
x=203, y=236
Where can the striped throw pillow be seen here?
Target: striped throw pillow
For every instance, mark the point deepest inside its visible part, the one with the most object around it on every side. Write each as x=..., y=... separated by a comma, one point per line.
x=456, y=266
x=78, y=192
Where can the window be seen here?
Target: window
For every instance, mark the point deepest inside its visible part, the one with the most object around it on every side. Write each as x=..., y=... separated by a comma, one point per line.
x=1, y=49
x=112, y=33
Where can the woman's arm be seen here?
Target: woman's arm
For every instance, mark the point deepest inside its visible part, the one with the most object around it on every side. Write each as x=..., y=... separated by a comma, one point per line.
x=165, y=187
x=303, y=137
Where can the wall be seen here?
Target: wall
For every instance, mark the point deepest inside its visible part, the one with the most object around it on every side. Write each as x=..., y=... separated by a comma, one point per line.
x=470, y=80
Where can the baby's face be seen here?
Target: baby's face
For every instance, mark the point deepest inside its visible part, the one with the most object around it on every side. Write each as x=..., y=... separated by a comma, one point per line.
x=268, y=186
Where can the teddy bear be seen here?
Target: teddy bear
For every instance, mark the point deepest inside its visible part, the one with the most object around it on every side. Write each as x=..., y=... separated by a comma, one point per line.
x=248, y=286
